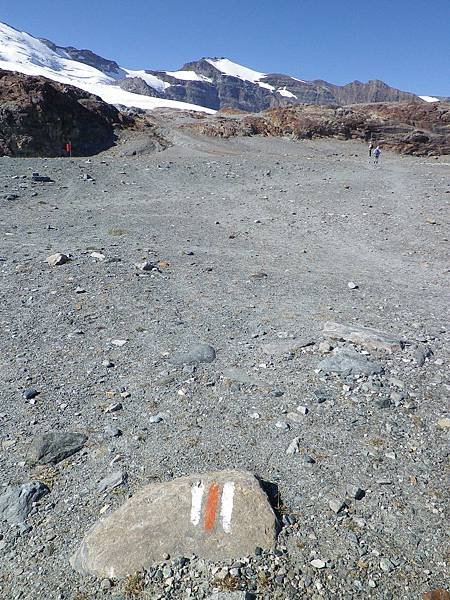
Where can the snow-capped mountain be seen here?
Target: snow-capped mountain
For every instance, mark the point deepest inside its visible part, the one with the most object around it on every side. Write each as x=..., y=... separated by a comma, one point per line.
x=207, y=85
x=26, y=54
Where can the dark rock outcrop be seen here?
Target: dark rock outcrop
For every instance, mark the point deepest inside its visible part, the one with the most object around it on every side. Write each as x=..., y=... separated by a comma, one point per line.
x=38, y=117
x=109, y=67
x=422, y=129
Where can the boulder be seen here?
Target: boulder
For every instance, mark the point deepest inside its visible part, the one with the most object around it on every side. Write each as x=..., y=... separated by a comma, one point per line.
x=52, y=448
x=218, y=516
x=372, y=339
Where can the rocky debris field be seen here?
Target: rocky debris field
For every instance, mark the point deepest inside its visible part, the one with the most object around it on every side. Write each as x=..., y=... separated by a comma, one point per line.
x=224, y=373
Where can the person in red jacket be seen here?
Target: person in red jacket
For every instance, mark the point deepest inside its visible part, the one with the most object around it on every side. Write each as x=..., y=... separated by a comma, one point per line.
x=69, y=148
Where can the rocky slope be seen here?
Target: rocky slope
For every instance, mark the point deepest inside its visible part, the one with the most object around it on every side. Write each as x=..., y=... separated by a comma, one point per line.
x=409, y=128
x=38, y=117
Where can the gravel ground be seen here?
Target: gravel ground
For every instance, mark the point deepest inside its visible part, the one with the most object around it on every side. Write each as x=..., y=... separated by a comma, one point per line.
x=255, y=243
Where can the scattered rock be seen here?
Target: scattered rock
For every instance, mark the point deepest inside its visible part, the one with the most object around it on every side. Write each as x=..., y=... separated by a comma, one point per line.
x=218, y=516
x=30, y=393
x=111, y=431
x=200, y=353
x=112, y=481
x=337, y=505
x=444, y=423
x=147, y=266
x=372, y=339
x=353, y=491
x=55, y=260
x=317, y=563
x=352, y=285
x=17, y=501
x=386, y=565
x=293, y=447
x=349, y=362
x=52, y=448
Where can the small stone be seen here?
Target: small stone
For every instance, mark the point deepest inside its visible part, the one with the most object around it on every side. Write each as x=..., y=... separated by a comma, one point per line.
x=317, y=563
x=282, y=425
x=293, y=447
x=118, y=343
x=303, y=410
x=353, y=491
x=156, y=418
x=337, y=505
x=325, y=347
x=55, y=260
x=114, y=407
x=309, y=459
x=30, y=393
x=111, y=431
x=349, y=362
x=444, y=423
x=146, y=266
x=352, y=285
x=105, y=584
x=277, y=393
x=386, y=565
x=112, y=481
x=80, y=290
x=108, y=364
x=98, y=255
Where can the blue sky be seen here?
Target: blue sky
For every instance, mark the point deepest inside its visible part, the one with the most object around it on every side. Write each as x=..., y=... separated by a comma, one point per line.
x=404, y=42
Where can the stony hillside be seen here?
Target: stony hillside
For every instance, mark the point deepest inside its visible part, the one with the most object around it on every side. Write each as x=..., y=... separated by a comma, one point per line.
x=38, y=117
x=409, y=128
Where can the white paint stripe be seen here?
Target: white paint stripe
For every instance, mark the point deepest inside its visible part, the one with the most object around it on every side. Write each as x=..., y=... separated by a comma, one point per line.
x=196, y=508
x=226, y=509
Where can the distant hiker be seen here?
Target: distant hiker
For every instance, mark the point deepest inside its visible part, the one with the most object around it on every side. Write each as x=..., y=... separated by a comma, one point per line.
x=370, y=149
x=69, y=149
x=377, y=153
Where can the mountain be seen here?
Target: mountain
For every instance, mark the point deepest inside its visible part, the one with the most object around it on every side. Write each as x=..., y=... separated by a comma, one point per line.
x=208, y=84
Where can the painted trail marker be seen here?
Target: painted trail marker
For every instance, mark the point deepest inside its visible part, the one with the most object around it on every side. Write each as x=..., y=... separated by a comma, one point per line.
x=219, y=516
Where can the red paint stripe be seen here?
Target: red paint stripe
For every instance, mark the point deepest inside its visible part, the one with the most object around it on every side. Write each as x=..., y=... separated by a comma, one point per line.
x=212, y=503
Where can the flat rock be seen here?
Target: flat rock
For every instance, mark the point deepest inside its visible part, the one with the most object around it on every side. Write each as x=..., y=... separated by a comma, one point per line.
x=51, y=448
x=372, y=339
x=17, y=501
x=218, y=516
x=200, y=353
x=349, y=362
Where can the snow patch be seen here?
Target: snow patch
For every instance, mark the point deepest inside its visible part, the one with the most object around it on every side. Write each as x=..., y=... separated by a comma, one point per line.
x=286, y=93
x=232, y=69
x=188, y=76
x=429, y=98
x=157, y=84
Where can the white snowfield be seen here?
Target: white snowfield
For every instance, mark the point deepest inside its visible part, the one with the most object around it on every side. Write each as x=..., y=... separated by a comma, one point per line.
x=429, y=98
x=232, y=69
x=24, y=53
x=188, y=76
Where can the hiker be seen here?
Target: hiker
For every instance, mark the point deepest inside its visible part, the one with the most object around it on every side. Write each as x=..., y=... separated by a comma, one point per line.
x=370, y=148
x=69, y=148
x=377, y=154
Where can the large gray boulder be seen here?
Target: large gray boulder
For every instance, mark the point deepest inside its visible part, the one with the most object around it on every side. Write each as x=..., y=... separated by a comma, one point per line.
x=17, y=501
x=52, y=448
x=372, y=339
x=218, y=516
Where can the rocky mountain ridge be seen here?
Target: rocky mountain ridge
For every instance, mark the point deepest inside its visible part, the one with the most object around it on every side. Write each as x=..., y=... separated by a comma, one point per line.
x=205, y=84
